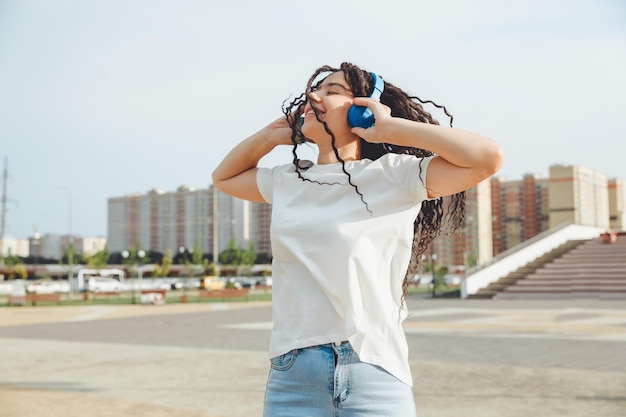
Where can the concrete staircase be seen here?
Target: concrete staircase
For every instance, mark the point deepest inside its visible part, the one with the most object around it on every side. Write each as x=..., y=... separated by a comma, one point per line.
x=587, y=269
x=521, y=273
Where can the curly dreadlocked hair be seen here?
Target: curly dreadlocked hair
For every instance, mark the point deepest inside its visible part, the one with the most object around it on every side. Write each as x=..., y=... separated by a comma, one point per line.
x=430, y=221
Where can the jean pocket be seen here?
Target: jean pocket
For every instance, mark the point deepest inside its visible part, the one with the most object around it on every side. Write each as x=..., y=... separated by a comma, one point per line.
x=284, y=362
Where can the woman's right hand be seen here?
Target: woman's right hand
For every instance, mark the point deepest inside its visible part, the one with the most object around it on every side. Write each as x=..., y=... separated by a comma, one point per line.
x=278, y=132
x=236, y=174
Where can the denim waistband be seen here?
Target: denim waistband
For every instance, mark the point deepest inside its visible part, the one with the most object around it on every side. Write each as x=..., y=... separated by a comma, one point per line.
x=342, y=345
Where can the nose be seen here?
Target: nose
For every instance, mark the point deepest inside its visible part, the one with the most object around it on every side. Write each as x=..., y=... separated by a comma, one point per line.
x=314, y=97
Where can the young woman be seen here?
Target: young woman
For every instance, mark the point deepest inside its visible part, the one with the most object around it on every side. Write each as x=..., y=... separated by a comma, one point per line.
x=347, y=231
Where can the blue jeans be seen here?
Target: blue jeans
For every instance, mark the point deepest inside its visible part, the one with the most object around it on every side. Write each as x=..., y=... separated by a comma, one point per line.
x=331, y=381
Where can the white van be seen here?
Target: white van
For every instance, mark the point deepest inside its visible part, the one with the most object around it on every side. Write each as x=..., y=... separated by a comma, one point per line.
x=103, y=284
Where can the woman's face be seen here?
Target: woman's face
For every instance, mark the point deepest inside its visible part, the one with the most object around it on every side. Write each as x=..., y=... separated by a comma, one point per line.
x=332, y=99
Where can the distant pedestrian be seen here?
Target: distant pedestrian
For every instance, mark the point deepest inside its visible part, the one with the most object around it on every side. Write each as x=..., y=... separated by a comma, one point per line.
x=347, y=233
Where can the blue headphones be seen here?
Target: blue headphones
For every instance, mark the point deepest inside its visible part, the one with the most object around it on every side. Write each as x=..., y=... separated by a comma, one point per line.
x=361, y=116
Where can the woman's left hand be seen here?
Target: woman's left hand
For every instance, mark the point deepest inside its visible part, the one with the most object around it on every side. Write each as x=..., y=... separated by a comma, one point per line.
x=382, y=114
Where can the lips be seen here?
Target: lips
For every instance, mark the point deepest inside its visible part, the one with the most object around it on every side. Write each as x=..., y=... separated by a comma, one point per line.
x=308, y=111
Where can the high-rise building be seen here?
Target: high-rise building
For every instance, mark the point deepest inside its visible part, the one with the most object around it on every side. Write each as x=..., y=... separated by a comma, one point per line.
x=535, y=203
x=520, y=210
x=500, y=215
x=186, y=219
x=472, y=244
x=260, y=229
x=57, y=246
x=578, y=195
x=525, y=208
x=617, y=204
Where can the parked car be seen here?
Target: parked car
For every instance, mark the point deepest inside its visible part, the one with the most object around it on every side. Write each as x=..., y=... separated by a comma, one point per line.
x=452, y=280
x=176, y=285
x=234, y=283
x=212, y=283
x=265, y=281
x=103, y=284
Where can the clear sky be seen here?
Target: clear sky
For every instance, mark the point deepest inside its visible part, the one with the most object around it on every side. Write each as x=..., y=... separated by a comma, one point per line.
x=105, y=98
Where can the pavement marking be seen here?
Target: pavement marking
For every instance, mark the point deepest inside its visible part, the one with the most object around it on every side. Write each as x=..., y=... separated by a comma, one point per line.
x=220, y=306
x=96, y=312
x=259, y=325
x=580, y=323
x=23, y=316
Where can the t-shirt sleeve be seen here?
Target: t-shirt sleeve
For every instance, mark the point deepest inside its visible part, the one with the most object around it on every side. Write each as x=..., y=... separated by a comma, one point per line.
x=420, y=175
x=265, y=182
x=411, y=173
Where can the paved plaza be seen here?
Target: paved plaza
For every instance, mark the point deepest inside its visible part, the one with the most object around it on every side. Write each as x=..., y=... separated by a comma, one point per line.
x=481, y=358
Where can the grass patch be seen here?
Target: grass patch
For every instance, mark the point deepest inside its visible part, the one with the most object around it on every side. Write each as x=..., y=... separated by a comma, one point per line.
x=442, y=291
x=127, y=299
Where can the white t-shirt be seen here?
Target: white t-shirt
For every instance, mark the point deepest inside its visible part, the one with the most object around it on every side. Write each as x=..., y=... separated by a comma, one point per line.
x=337, y=268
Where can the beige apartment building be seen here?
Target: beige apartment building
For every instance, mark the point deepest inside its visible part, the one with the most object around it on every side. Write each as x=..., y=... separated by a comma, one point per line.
x=51, y=246
x=578, y=195
x=513, y=211
x=525, y=208
x=617, y=204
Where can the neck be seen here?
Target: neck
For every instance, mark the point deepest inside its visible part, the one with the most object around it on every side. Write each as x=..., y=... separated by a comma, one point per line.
x=348, y=152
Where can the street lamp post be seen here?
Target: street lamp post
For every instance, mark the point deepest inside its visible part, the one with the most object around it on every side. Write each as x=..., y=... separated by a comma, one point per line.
x=136, y=261
x=36, y=242
x=433, y=258
x=140, y=254
x=183, y=261
x=126, y=256
x=70, y=241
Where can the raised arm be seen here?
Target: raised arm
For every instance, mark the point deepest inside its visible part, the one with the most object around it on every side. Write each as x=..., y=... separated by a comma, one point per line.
x=464, y=158
x=236, y=174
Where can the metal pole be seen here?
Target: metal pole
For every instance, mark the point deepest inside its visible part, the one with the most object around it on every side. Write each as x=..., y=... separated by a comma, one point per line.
x=216, y=234
x=4, y=209
x=433, y=257
x=70, y=242
x=126, y=255
x=140, y=255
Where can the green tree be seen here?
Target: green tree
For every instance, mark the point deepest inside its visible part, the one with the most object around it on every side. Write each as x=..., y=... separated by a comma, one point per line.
x=248, y=257
x=163, y=268
x=232, y=255
x=98, y=260
x=11, y=260
x=15, y=266
x=235, y=256
x=198, y=258
x=70, y=254
x=472, y=260
x=195, y=260
x=19, y=271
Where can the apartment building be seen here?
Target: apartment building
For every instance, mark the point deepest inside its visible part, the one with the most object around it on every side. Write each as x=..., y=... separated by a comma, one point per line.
x=525, y=208
x=473, y=243
x=500, y=214
x=51, y=246
x=187, y=218
x=12, y=246
x=617, y=204
x=578, y=195
x=520, y=210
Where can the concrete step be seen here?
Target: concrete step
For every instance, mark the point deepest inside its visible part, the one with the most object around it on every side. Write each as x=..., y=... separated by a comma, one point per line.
x=563, y=295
